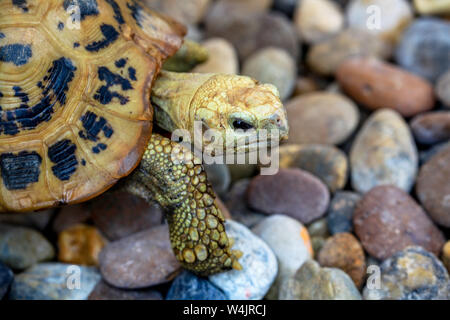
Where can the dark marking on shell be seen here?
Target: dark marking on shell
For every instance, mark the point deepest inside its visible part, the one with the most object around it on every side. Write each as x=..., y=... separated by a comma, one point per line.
x=104, y=95
x=60, y=26
x=99, y=148
x=132, y=73
x=117, y=12
x=20, y=170
x=29, y=117
x=2, y=35
x=20, y=94
x=22, y=4
x=87, y=7
x=93, y=127
x=76, y=44
x=110, y=34
x=83, y=162
x=121, y=63
x=19, y=54
x=62, y=154
x=135, y=9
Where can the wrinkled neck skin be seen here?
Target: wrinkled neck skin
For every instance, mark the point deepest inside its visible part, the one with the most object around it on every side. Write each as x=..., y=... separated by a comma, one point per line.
x=172, y=96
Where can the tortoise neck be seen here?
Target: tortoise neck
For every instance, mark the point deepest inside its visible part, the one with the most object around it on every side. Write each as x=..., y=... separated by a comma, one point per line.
x=172, y=95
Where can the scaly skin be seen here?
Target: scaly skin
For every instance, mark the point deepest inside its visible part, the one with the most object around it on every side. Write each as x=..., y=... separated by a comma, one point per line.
x=169, y=174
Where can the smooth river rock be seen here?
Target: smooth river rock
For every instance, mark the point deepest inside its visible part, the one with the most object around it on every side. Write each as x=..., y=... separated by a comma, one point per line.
x=292, y=192
x=377, y=84
x=21, y=247
x=311, y=282
x=187, y=286
x=321, y=117
x=340, y=211
x=411, y=274
x=54, y=281
x=290, y=242
x=431, y=127
x=259, y=265
x=383, y=152
x=433, y=187
x=141, y=260
x=387, y=220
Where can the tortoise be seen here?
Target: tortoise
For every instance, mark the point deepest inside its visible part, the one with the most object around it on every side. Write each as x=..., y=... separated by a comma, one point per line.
x=81, y=85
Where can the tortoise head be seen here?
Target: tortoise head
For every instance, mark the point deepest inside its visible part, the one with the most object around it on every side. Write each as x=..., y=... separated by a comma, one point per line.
x=236, y=113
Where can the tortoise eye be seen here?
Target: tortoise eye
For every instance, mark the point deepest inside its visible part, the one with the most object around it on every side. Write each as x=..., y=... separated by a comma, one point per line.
x=241, y=124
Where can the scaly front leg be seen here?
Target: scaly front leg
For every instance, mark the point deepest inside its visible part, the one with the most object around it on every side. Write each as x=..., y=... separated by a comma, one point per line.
x=169, y=174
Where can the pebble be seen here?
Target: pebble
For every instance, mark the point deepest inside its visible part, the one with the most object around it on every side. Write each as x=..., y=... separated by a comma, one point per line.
x=317, y=243
x=219, y=177
x=385, y=18
x=54, y=281
x=186, y=11
x=431, y=127
x=317, y=20
x=80, y=244
x=292, y=192
x=325, y=57
x=383, y=152
x=424, y=48
x=290, y=242
x=274, y=66
x=411, y=274
x=387, y=220
x=259, y=266
x=340, y=211
x=311, y=120
x=104, y=291
x=426, y=7
x=119, y=214
x=327, y=163
x=285, y=6
x=445, y=255
x=138, y=261
x=236, y=202
x=250, y=30
x=377, y=84
x=35, y=220
x=311, y=282
x=6, y=278
x=443, y=89
x=222, y=58
x=318, y=228
x=187, y=286
x=306, y=85
x=253, y=5
x=433, y=187
x=343, y=251
x=21, y=247
x=71, y=215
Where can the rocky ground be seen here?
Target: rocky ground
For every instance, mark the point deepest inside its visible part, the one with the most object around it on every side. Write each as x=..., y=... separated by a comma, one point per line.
x=360, y=208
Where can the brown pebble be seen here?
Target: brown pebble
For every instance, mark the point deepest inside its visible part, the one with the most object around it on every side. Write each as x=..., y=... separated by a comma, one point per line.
x=326, y=56
x=313, y=120
x=80, y=244
x=141, y=260
x=249, y=30
x=388, y=220
x=377, y=84
x=292, y=192
x=344, y=251
x=433, y=187
x=118, y=214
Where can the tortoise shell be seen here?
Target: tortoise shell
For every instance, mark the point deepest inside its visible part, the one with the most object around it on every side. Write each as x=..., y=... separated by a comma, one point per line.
x=75, y=84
